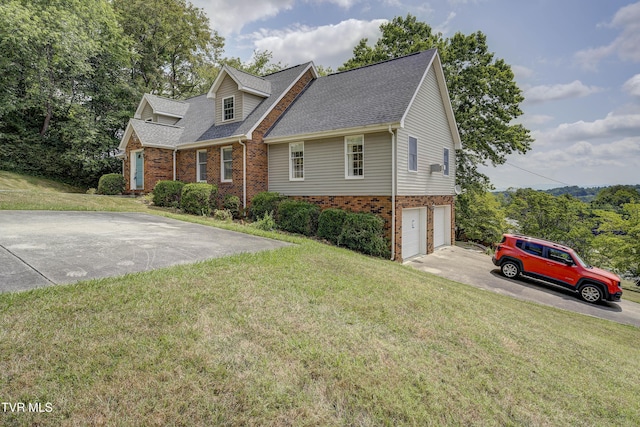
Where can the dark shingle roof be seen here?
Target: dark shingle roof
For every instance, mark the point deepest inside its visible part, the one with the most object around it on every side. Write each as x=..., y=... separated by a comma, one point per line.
x=166, y=105
x=374, y=94
x=156, y=134
x=249, y=81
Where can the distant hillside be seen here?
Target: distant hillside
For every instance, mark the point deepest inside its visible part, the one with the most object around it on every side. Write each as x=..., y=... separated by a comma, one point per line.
x=584, y=194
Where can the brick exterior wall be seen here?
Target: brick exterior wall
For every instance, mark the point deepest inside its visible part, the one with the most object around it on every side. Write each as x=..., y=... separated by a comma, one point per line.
x=381, y=205
x=158, y=165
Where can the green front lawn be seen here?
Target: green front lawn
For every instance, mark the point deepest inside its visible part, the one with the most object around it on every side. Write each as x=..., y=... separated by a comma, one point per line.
x=307, y=335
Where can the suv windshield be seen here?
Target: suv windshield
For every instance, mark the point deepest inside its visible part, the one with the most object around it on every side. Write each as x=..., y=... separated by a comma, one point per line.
x=580, y=261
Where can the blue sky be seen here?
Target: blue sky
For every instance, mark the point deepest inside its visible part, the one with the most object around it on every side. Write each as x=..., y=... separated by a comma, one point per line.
x=577, y=61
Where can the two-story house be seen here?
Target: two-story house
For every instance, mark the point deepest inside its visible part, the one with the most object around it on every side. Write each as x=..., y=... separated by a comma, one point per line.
x=379, y=138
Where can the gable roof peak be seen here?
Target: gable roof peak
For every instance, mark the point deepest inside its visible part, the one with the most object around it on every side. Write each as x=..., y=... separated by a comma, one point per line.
x=246, y=82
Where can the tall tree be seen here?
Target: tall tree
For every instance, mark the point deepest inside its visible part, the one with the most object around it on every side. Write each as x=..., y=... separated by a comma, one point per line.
x=64, y=93
x=484, y=95
x=172, y=45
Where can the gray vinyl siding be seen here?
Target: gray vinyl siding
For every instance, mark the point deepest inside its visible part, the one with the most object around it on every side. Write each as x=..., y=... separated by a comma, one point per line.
x=228, y=88
x=249, y=103
x=426, y=121
x=324, y=168
x=147, y=112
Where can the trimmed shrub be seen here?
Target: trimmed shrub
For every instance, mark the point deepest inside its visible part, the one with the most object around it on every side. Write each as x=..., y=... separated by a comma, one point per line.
x=298, y=217
x=263, y=203
x=167, y=193
x=111, y=184
x=364, y=232
x=197, y=198
x=222, y=215
x=330, y=224
x=232, y=204
x=266, y=223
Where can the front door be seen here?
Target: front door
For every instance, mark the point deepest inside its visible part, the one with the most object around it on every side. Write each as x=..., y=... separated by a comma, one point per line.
x=137, y=170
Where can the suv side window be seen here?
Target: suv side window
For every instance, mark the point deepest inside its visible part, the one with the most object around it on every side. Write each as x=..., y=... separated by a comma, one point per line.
x=558, y=255
x=529, y=247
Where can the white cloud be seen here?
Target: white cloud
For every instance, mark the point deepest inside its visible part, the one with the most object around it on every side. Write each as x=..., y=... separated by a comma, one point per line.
x=535, y=119
x=626, y=45
x=443, y=27
x=522, y=72
x=543, y=93
x=623, y=153
x=229, y=16
x=633, y=85
x=611, y=127
x=328, y=45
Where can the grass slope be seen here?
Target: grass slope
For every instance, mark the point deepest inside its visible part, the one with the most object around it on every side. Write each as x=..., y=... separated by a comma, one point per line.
x=307, y=335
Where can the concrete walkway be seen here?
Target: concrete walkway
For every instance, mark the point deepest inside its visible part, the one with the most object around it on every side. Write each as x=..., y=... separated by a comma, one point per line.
x=42, y=248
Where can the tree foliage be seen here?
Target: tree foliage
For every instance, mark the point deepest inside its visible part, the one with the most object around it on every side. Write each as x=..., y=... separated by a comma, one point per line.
x=484, y=95
x=172, y=46
x=479, y=217
x=64, y=91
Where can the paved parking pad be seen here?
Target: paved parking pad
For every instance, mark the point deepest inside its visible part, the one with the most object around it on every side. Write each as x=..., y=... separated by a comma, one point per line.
x=475, y=268
x=41, y=248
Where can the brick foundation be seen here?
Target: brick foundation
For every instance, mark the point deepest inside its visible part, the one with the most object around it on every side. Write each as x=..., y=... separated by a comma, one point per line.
x=381, y=205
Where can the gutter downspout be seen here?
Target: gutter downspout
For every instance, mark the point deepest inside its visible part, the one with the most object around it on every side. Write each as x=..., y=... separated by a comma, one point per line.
x=174, y=163
x=393, y=194
x=244, y=174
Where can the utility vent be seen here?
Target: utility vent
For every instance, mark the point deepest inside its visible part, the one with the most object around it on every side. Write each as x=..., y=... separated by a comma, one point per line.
x=436, y=168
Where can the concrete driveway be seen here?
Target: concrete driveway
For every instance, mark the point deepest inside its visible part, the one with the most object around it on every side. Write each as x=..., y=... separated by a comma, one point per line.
x=41, y=248
x=473, y=267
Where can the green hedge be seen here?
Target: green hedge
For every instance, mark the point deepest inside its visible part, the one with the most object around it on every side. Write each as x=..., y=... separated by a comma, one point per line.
x=364, y=232
x=198, y=198
x=232, y=204
x=167, y=193
x=330, y=224
x=298, y=217
x=263, y=203
x=111, y=184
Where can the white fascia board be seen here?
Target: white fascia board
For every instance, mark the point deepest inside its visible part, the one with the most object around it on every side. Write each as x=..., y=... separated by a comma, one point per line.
x=162, y=113
x=217, y=82
x=211, y=142
x=253, y=91
x=381, y=127
x=143, y=101
x=125, y=138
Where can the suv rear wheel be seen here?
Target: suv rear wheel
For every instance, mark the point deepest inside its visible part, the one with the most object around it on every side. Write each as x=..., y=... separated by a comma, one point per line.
x=590, y=293
x=510, y=269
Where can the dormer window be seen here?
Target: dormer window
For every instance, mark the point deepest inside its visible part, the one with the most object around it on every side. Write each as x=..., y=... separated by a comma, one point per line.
x=228, y=108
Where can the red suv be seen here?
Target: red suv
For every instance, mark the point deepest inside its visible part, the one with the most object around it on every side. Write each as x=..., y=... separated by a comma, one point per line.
x=557, y=264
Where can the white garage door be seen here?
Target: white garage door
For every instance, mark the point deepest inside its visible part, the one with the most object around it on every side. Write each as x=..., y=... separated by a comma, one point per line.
x=441, y=226
x=413, y=233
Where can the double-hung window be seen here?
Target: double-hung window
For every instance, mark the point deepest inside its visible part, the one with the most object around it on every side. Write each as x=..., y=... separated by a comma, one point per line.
x=226, y=164
x=296, y=161
x=202, y=166
x=354, y=157
x=445, y=162
x=413, y=154
x=228, y=110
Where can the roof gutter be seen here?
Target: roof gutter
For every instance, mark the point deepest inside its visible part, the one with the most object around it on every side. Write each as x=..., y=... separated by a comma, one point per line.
x=332, y=133
x=210, y=142
x=393, y=193
x=244, y=174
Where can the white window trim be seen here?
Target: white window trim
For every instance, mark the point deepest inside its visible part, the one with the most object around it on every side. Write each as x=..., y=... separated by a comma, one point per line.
x=346, y=157
x=408, y=155
x=222, y=178
x=291, y=177
x=446, y=166
x=233, y=97
x=198, y=165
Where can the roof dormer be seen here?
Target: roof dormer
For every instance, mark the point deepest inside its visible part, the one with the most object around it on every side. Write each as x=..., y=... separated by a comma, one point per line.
x=237, y=94
x=157, y=109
